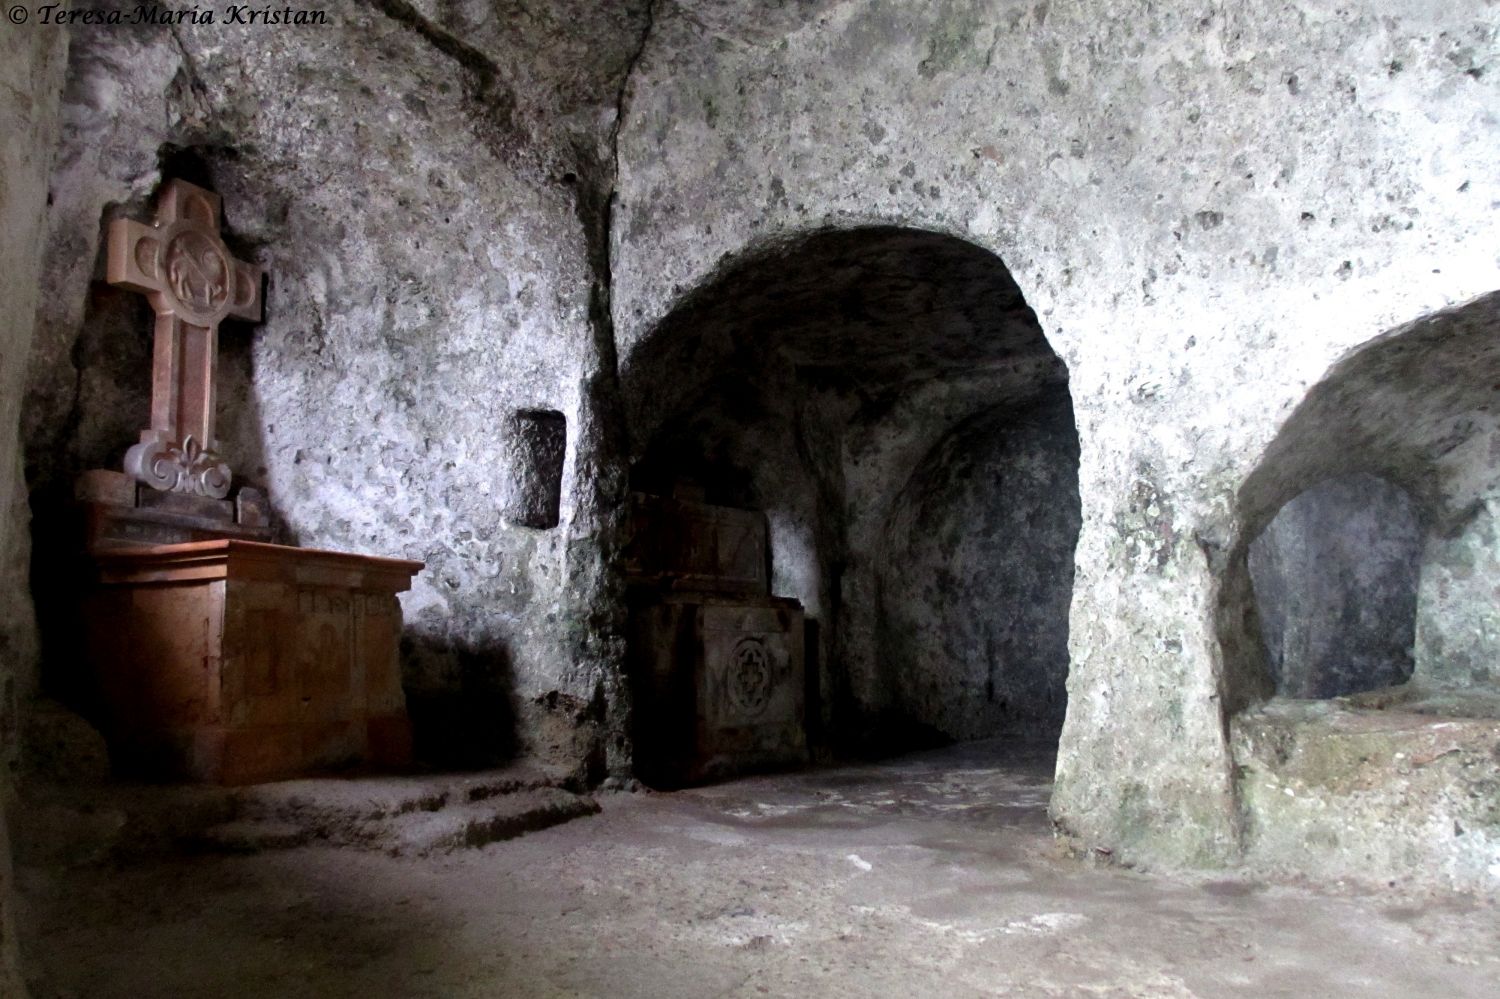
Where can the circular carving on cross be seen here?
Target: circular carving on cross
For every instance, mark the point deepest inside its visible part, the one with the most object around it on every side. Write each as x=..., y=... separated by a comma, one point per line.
x=750, y=676
x=246, y=288
x=147, y=256
x=198, y=275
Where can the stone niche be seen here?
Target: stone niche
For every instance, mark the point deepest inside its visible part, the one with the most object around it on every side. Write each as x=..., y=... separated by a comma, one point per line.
x=716, y=663
x=536, y=444
x=1335, y=576
x=1365, y=742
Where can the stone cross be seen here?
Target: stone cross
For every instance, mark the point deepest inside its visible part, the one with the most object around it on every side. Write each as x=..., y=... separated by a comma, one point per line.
x=181, y=264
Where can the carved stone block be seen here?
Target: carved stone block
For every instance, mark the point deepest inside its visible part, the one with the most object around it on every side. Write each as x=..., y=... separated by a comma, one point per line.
x=717, y=685
x=679, y=545
x=116, y=511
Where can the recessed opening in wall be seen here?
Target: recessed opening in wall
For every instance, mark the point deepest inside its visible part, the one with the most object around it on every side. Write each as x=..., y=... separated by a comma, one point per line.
x=977, y=578
x=1335, y=579
x=536, y=443
x=854, y=451
x=1362, y=590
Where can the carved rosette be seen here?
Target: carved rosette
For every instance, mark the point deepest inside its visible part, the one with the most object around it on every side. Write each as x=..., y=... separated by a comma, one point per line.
x=183, y=468
x=198, y=276
x=751, y=677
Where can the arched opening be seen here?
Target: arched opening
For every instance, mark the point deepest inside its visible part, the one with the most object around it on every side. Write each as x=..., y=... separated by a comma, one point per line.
x=870, y=426
x=1358, y=616
x=1396, y=440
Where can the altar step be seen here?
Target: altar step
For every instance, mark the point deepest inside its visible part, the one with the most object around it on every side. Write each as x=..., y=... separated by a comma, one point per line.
x=429, y=827
x=404, y=815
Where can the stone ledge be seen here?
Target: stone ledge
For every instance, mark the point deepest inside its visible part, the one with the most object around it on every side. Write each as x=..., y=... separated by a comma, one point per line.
x=1365, y=794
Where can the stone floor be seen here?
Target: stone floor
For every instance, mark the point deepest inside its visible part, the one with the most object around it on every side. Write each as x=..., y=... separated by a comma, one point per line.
x=933, y=875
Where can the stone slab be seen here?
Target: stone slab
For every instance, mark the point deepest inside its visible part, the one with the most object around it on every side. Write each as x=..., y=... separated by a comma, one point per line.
x=474, y=825
x=125, y=821
x=114, y=511
x=1370, y=794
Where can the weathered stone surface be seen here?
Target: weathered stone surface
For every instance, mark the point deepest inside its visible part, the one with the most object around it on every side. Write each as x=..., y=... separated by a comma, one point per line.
x=438, y=825
x=535, y=449
x=1413, y=407
x=32, y=59
x=1329, y=791
x=1183, y=218
x=121, y=823
x=1335, y=575
x=60, y=747
x=1458, y=615
x=929, y=876
x=1205, y=207
x=468, y=826
x=978, y=575
x=407, y=315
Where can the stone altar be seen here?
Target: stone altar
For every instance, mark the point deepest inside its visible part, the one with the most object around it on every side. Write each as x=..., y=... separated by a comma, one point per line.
x=209, y=653
x=716, y=663
x=234, y=661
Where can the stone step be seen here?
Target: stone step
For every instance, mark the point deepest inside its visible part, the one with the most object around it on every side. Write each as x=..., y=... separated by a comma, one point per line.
x=410, y=832
x=334, y=803
x=401, y=814
x=474, y=825
x=253, y=837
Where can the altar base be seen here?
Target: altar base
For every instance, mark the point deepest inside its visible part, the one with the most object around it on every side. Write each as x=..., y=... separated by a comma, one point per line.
x=236, y=661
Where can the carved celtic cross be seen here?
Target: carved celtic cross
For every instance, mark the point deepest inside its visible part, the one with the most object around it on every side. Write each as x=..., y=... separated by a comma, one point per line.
x=181, y=264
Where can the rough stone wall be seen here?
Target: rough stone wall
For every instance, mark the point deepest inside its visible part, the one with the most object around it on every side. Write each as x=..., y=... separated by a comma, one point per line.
x=1206, y=206
x=977, y=577
x=31, y=66
x=1335, y=575
x=428, y=187
x=1458, y=616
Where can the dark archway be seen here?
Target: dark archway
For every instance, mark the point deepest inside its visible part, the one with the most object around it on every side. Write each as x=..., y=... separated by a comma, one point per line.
x=888, y=400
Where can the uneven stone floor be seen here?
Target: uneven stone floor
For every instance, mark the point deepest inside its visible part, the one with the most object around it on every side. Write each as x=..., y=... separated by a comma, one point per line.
x=933, y=875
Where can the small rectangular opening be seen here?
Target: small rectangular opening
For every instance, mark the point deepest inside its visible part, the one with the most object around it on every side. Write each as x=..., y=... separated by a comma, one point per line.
x=536, y=444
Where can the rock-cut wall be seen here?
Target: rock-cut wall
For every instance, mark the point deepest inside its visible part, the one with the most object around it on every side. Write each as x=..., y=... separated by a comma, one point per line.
x=31, y=68
x=1206, y=205
x=472, y=211
x=427, y=185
